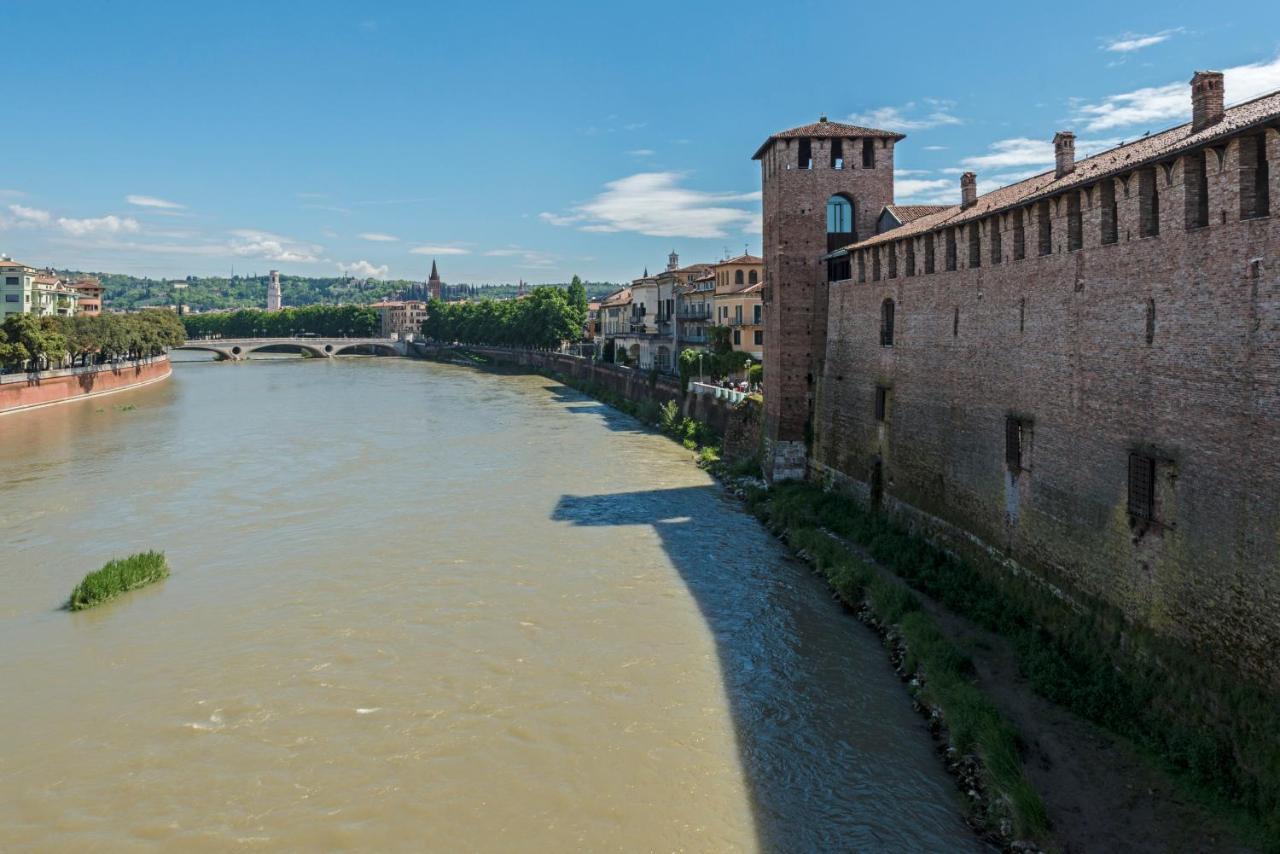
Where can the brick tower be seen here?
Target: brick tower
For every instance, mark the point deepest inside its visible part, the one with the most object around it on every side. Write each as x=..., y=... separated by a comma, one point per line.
x=824, y=186
x=433, y=283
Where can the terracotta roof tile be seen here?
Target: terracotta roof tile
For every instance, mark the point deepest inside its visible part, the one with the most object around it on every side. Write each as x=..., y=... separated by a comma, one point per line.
x=1115, y=161
x=622, y=297
x=741, y=259
x=910, y=213
x=823, y=129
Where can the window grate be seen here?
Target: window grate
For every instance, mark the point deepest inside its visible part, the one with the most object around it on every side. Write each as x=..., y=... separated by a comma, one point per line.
x=1142, y=487
x=882, y=402
x=1013, y=444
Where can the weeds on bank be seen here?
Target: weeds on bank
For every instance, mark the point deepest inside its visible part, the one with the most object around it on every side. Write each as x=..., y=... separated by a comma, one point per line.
x=117, y=577
x=1218, y=736
x=943, y=674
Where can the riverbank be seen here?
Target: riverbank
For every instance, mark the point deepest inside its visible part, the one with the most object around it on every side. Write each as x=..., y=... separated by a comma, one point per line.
x=1153, y=779
x=27, y=391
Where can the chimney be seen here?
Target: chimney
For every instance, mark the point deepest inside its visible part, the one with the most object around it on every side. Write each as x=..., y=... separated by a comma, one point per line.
x=1206, y=99
x=1064, y=153
x=968, y=190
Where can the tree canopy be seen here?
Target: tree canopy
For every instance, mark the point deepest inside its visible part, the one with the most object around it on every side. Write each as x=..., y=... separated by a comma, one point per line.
x=82, y=338
x=541, y=320
x=325, y=320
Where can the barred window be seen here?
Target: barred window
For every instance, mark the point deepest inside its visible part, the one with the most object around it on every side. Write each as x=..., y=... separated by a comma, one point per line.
x=1017, y=443
x=1142, y=487
x=882, y=402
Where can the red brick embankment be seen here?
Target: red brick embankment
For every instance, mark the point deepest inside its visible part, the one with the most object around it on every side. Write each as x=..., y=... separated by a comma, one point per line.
x=21, y=392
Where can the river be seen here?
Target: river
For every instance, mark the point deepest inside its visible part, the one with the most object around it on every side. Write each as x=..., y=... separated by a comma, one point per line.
x=419, y=607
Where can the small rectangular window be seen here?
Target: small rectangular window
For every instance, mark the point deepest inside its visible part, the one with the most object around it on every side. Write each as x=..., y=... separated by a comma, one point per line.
x=1142, y=487
x=996, y=248
x=805, y=158
x=837, y=154
x=1017, y=444
x=1019, y=236
x=737, y=336
x=875, y=264
x=756, y=311
x=11, y=298
x=882, y=403
x=975, y=246
x=868, y=154
x=1255, y=177
x=951, y=249
x=910, y=260
x=929, y=259
x=893, y=260
x=862, y=265
x=759, y=337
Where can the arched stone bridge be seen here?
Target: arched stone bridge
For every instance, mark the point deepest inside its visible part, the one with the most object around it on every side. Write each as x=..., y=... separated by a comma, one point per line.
x=240, y=348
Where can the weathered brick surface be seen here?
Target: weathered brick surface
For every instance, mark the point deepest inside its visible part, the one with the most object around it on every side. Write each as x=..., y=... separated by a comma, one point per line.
x=1063, y=340
x=795, y=292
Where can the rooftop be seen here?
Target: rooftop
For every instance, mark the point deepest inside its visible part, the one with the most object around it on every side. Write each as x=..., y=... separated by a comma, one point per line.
x=1113, y=162
x=824, y=129
x=740, y=260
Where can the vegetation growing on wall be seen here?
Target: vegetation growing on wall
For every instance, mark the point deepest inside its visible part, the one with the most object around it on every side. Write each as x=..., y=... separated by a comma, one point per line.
x=1216, y=734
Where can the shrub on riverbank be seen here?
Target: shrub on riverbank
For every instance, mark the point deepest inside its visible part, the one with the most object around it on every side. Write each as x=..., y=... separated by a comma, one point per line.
x=1216, y=734
x=942, y=679
x=117, y=577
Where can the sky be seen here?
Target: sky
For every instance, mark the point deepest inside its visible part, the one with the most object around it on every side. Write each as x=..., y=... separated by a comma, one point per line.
x=540, y=140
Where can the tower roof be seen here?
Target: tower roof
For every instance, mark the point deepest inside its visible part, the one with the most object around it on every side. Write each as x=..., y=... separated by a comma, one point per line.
x=824, y=129
x=435, y=277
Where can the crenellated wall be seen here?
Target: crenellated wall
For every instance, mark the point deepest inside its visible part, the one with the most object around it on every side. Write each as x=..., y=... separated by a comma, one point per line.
x=1165, y=347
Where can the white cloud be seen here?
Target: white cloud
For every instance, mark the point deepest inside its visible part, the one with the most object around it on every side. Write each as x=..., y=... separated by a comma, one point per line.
x=642, y=152
x=935, y=148
x=439, y=250
x=1136, y=41
x=1020, y=152
x=365, y=270
x=153, y=202
x=32, y=216
x=528, y=257
x=109, y=224
x=653, y=203
x=942, y=191
x=377, y=237
x=272, y=247
x=931, y=114
x=1159, y=105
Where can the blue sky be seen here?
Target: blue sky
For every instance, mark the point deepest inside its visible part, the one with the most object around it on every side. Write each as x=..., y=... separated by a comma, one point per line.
x=539, y=140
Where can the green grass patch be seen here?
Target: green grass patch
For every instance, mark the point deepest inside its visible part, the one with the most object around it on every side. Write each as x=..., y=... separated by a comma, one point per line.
x=975, y=725
x=1216, y=734
x=117, y=577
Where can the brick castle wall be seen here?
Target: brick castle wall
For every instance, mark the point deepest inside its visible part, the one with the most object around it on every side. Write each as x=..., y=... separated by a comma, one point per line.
x=1166, y=345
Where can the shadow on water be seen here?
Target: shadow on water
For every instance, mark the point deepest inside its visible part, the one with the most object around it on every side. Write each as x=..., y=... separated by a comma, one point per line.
x=579, y=403
x=833, y=757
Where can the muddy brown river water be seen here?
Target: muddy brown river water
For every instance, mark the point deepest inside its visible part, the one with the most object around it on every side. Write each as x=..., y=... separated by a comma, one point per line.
x=421, y=608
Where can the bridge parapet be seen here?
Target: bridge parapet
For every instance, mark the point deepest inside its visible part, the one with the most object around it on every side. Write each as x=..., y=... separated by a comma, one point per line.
x=240, y=348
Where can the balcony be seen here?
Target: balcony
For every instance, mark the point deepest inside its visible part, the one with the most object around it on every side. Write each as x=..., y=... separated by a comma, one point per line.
x=695, y=312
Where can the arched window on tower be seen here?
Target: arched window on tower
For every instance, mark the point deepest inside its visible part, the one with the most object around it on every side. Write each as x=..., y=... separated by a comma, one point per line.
x=753, y=277
x=737, y=277
x=840, y=231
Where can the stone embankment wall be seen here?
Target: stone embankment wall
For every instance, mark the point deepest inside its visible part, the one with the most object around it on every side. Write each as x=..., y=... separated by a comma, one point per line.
x=740, y=424
x=21, y=392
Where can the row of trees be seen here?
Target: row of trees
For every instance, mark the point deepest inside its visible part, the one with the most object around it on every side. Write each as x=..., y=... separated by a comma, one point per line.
x=31, y=342
x=324, y=320
x=541, y=320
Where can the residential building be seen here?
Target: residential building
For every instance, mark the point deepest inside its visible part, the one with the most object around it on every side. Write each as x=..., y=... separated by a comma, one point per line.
x=695, y=310
x=738, y=305
x=16, y=287
x=400, y=318
x=90, y=290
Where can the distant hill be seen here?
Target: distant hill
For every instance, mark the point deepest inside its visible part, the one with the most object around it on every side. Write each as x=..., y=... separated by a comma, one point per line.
x=220, y=292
